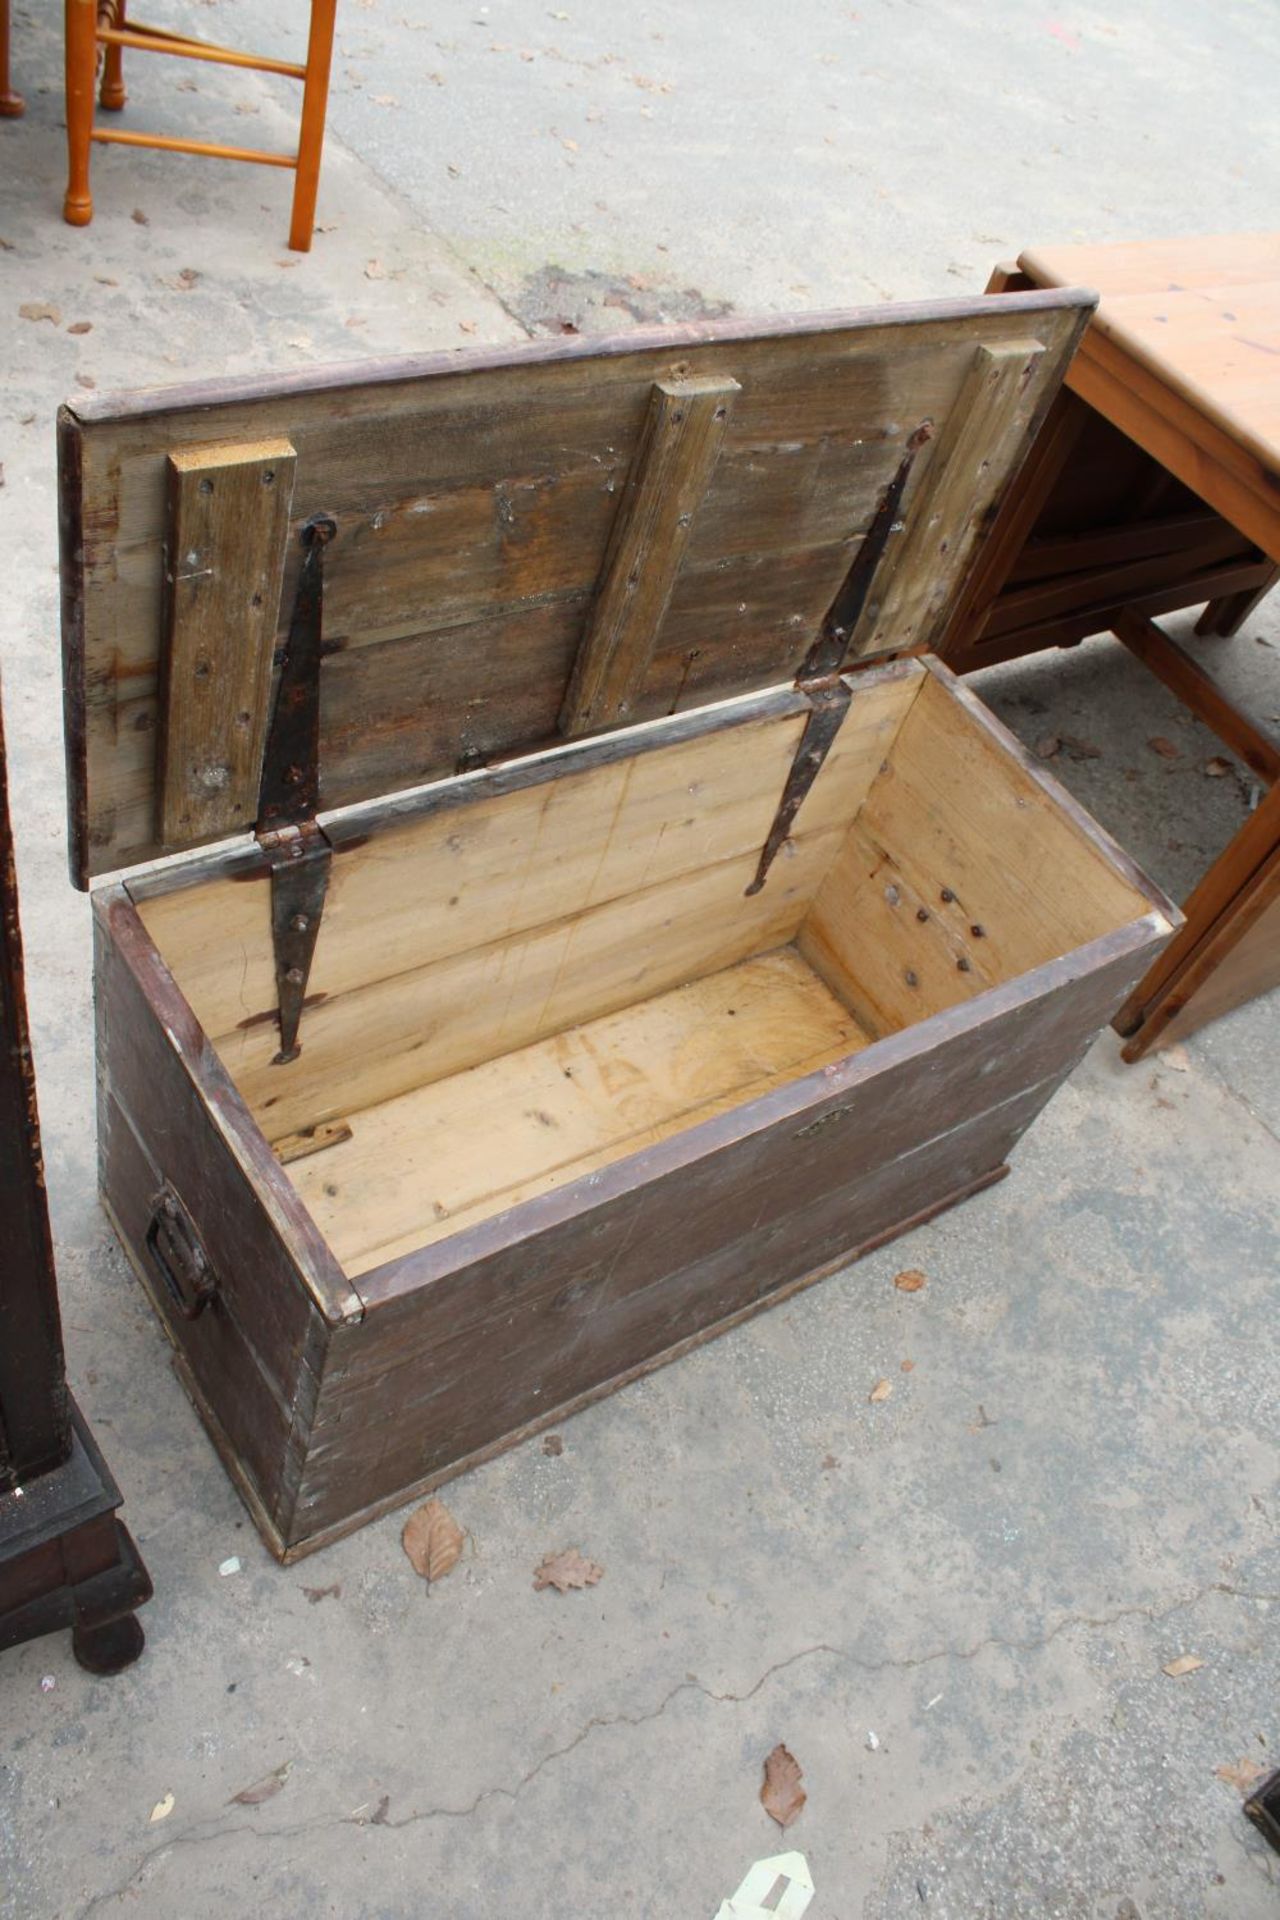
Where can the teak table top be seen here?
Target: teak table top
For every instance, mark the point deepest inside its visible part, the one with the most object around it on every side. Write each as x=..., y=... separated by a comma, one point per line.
x=1183, y=355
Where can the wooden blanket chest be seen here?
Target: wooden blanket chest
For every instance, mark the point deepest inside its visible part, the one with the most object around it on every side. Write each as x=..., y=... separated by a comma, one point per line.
x=597, y=915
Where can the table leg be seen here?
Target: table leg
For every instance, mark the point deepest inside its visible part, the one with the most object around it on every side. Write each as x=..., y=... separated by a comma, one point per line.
x=12, y=105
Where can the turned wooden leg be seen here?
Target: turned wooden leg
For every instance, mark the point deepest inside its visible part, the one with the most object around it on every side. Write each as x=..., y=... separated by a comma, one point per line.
x=112, y=95
x=11, y=104
x=81, y=70
x=315, y=100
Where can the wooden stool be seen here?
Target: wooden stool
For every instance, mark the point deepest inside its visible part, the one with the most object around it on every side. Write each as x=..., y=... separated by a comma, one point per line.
x=98, y=26
x=1155, y=484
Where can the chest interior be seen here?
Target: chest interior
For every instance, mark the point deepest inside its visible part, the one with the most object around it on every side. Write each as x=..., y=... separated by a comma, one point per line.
x=516, y=989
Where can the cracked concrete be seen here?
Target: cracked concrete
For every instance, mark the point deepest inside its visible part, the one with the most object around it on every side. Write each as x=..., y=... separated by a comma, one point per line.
x=1075, y=1482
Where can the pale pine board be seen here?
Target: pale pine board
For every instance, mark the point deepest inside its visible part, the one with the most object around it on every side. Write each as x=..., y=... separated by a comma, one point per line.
x=420, y=1167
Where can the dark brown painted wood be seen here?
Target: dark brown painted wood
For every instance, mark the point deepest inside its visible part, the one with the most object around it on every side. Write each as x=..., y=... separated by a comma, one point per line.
x=168, y=1114
x=35, y=1421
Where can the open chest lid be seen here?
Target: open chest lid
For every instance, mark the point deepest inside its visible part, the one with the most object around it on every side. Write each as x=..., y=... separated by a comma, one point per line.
x=290, y=594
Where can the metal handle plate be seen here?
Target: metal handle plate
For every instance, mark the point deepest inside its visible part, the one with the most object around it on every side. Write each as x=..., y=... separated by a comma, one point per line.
x=178, y=1257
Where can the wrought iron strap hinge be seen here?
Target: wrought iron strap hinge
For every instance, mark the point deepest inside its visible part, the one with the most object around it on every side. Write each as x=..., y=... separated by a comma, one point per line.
x=298, y=855
x=819, y=677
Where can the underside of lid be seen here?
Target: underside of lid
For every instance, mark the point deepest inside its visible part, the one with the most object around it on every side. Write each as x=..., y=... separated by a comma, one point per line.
x=526, y=545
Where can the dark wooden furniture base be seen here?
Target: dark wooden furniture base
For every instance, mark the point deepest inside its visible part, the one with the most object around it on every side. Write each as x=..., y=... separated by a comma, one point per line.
x=67, y=1561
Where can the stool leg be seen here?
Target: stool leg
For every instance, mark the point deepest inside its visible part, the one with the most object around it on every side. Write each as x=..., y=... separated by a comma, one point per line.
x=81, y=69
x=112, y=95
x=315, y=100
x=11, y=104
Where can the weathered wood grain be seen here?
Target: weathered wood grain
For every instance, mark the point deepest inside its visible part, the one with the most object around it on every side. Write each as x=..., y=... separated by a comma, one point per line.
x=679, y=445
x=975, y=450
x=223, y=569
x=477, y=494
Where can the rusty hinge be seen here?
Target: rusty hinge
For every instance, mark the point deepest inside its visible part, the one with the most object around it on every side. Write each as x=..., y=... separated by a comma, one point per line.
x=819, y=676
x=297, y=852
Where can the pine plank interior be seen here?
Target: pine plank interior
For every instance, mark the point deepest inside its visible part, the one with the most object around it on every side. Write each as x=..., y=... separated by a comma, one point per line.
x=513, y=993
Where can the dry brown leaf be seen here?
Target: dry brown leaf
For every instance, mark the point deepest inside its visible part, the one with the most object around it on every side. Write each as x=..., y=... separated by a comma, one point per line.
x=433, y=1540
x=1080, y=749
x=782, y=1795
x=881, y=1391
x=1241, y=1774
x=552, y=1444
x=316, y=1594
x=910, y=1280
x=1216, y=767
x=565, y=1570
x=466, y=326
x=1165, y=748
x=1047, y=745
x=139, y=218
x=1184, y=1664
x=374, y=270
x=261, y=1790
x=40, y=310
x=80, y=326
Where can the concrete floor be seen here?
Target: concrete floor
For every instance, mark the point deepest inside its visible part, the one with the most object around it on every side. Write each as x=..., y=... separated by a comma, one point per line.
x=1076, y=1483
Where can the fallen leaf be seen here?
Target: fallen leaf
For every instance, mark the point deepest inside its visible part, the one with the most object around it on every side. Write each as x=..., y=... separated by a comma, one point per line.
x=378, y=1818
x=374, y=270
x=1241, y=1774
x=910, y=1280
x=782, y=1795
x=139, y=218
x=1216, y=767
x=7, y=246
x=316, y=1594
x=80, y=326
x=1165, y=748
x=466, y=326
x=829, y=1463
x=908, y=1366
x=183, y=280
x=433, y=1540
x=454, y=173
x=1080, y=749
x=105, y=280
x=85, y=380
x=565, y=1570
x=553, y=1445
x=161, y=1810
x=1047, y=745
x=187, y=86
x=881, y=1391
x=265, y=1789
x=1184, y=1664
x=40, y=310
